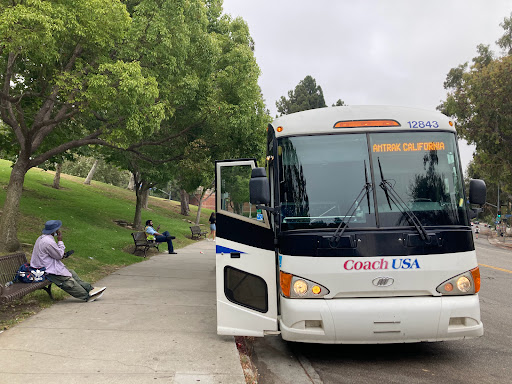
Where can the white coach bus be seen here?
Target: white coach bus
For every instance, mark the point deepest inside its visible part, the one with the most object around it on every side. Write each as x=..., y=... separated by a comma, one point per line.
x=357, y=231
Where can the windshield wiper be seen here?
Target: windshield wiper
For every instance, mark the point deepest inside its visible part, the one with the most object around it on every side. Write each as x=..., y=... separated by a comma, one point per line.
x=393, y=196
x=367, y=188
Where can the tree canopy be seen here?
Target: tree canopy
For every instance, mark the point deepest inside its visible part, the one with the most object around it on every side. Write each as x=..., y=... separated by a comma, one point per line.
x=307, y=95
x=143, y=76
x=479, y=99
x=221, y=115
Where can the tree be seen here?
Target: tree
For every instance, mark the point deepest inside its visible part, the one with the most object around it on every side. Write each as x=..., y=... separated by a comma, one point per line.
x=144, y=179
x=237, y=128
x=56, y=179
x=479, y=99
x=494, y=175
x=221, y=116
x=505, y=41
x=147, y=169
x=143, y=79
x=74, y=92
x=307, y=95
x=106, y=173
x=91, y=173
x=169, y=40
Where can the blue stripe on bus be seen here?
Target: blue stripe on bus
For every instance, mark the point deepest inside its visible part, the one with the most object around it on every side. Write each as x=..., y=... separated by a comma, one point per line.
x=221, y=249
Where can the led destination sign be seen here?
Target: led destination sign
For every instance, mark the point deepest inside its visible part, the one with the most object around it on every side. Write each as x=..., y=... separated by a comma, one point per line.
x=409, y=147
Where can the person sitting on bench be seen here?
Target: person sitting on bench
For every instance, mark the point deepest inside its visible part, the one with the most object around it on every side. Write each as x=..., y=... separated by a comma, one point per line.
x=49, y=254
x=153, y=235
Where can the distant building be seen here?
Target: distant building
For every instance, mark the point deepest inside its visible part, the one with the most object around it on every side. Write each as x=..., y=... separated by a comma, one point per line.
x=208, y=202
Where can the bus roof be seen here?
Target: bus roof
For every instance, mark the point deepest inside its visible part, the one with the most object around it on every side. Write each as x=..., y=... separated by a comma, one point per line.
x=361, y=119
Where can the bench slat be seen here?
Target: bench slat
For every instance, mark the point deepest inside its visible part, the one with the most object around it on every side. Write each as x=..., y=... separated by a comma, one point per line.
x=9, y=265
x=18, y=290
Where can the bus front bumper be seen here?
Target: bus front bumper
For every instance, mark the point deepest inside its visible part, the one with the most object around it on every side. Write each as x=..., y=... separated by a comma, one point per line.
x=380, y=320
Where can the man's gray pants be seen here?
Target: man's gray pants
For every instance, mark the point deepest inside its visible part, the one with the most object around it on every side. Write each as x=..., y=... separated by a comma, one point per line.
x=72, y=285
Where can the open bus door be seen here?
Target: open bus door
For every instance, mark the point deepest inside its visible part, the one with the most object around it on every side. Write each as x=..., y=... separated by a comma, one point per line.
x=245, y=256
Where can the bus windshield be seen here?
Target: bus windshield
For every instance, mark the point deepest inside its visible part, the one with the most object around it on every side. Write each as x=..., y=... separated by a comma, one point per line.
x=322, y=180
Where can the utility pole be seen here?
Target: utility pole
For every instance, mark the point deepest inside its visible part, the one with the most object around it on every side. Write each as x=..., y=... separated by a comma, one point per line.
x=499, y=216
x=499, y=206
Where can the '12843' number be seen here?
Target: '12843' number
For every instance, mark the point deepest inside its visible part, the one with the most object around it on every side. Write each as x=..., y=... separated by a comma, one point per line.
x=423, y=124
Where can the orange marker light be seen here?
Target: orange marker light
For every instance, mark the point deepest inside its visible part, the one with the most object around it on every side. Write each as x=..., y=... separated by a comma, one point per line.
x=316, y=289
x=285, y=280
x=366, y=123
x=279, y=129
x=476, y=278
x=448, y=287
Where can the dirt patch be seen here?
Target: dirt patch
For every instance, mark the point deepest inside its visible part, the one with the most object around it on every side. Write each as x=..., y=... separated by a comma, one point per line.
x=245, y=349
x=60, y=187
x=16, y=311
x=124, y=224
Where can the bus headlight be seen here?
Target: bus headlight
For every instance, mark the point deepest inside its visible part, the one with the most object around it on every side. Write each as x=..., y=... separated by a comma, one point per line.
x=466, y=283
x=463, y=284
x=297, y=287
x=300, y=287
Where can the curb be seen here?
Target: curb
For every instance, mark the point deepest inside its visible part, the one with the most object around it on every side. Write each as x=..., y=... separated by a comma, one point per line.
x=245, y=350
x=499, y=244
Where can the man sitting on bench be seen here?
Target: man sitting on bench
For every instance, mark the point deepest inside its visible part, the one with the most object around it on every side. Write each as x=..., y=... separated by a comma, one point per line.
x=49, y=254
x=153, y=235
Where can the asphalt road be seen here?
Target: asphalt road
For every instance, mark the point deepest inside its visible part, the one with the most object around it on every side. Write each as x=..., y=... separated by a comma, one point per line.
x=487, y=359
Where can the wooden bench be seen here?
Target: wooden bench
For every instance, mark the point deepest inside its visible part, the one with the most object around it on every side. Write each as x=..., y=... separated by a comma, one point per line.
x=9, y=265
x=197, y=233
x=141, y=242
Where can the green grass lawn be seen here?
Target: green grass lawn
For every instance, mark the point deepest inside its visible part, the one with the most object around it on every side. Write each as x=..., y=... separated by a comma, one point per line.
x=88, y=214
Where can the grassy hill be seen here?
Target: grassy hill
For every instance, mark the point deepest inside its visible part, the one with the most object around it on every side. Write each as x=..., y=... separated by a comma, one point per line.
x=88, y=214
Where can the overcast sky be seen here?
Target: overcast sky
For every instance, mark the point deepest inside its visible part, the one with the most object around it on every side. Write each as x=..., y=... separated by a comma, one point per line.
x=368, y=52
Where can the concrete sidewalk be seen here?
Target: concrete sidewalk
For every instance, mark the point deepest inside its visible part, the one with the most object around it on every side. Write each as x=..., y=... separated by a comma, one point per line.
x=155, y=323
x=500, y=242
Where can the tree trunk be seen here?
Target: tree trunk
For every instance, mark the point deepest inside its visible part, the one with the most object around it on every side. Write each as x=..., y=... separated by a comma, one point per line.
x=138, y=215
x=185, y=209
x=91, y=173
x=199, y=205
x=56, y=179
x=138, y=211
x=140, y=191
x=131, y=183
x=10, y=215
x=145, y=199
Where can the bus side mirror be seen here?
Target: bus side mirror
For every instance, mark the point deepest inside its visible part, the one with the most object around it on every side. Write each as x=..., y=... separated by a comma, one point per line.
x=477, y=192
x=473, y=213
x=259, y=187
